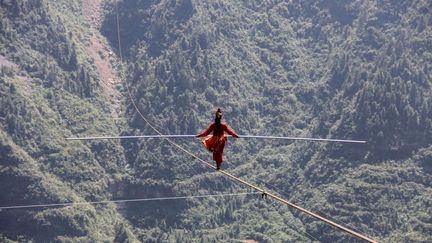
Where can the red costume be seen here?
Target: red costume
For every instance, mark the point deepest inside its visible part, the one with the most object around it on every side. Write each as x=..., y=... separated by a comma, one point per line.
x=216, y=143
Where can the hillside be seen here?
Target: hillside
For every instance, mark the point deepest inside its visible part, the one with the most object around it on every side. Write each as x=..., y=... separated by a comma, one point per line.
x=353, y=70
x=330, y=69
x=50, y=90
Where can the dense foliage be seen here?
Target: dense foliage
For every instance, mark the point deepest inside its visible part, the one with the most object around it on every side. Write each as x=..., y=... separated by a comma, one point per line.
x=327, y=68
x=344, y=69
x=49, y=91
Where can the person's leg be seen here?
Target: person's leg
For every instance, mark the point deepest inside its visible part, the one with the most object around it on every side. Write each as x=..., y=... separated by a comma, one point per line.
x=217, y=157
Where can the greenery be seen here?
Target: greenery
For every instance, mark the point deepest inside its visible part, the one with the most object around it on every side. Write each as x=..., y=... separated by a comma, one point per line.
x=49, y=92
x=336, y=69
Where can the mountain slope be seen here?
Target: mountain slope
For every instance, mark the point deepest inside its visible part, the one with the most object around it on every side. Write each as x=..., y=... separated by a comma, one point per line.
x=344, y=69
x=49, y=91
x=336, y=69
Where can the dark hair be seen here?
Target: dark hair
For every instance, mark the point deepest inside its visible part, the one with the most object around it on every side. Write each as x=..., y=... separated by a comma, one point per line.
x=218, y=118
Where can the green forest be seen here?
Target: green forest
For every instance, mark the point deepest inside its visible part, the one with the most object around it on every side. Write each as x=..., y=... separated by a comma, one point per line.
x=340, y=69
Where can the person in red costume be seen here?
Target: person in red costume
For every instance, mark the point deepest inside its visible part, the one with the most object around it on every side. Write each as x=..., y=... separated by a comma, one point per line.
x=216, y=143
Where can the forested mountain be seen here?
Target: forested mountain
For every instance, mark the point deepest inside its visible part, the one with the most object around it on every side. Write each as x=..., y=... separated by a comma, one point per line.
x=49, y=90
x=331, y=69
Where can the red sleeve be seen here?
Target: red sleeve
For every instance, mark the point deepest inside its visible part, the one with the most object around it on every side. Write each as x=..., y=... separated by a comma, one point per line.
x=207, y=131
x=229, y=131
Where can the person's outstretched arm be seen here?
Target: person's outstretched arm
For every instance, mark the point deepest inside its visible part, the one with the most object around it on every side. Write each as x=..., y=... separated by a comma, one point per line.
x=207, y=131
x=230, y=132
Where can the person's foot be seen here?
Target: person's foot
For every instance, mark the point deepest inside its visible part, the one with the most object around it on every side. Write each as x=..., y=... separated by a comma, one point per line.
x=218, y=168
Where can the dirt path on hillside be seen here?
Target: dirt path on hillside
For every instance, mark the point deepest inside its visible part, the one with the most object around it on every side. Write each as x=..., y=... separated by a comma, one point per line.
x=92, y=9
x=103, y=56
